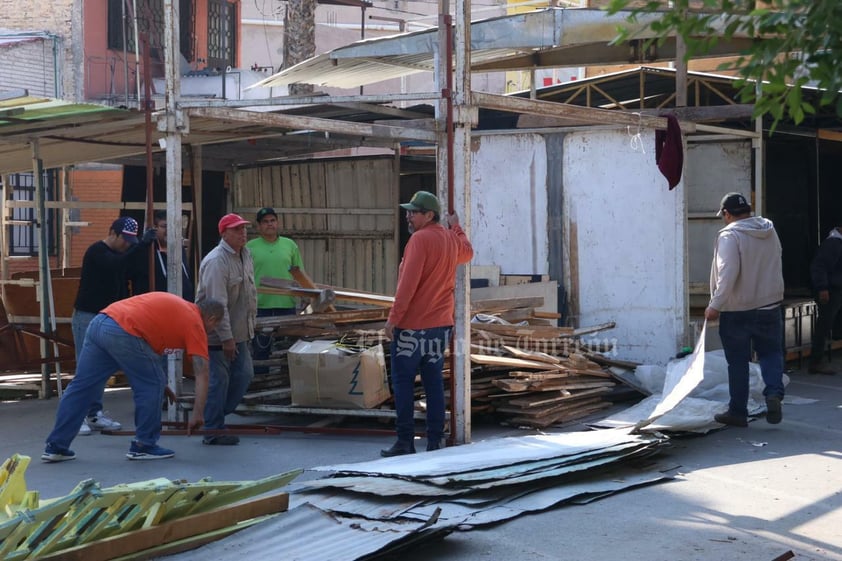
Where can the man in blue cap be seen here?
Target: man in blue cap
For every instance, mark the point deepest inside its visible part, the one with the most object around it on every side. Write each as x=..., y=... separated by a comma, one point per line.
x=102, y=282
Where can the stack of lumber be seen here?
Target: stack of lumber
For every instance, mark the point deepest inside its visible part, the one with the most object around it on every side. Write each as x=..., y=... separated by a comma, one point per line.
x=523, y=368
x=542, y=389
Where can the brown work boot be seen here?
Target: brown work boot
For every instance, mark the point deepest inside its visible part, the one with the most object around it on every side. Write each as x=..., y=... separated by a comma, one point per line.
x=819, y=368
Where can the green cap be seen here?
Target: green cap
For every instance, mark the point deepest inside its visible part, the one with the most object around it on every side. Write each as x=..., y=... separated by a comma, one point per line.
x=423, y=200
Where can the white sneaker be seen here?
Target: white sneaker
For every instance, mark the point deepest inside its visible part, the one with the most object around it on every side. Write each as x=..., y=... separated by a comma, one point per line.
x=84, y=430
x=101, y=421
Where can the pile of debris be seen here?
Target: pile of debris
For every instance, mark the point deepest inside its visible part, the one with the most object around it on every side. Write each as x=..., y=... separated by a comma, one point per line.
x=530, y=373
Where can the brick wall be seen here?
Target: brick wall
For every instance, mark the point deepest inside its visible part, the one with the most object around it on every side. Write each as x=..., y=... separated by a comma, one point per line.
x=93, y=185
x=54, y=16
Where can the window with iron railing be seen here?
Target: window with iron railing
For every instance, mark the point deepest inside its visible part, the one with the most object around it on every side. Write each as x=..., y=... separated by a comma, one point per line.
x=23, y=238
x=222, y=37
x=150, y=20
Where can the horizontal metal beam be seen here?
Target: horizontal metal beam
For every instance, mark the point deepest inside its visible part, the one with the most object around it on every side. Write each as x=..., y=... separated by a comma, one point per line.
x=312, y=123
x=573, y=112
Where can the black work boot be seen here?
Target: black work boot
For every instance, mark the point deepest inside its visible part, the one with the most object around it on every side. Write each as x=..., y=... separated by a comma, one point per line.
x=399, y=448
x=774, y=414
x=729, y=418
x=433, y=445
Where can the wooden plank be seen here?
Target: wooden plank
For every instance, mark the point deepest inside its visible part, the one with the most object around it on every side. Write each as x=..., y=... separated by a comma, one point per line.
x=537, y=331
x=517, y=315
x=502, y=304
x=506, y=361
x=595, y=328
x=569, y=401
x=189, y=526
x=531, y=355
x=546, y=315
x=343, y=316
x=302, y=278
x=269, y=285
x=562, y=416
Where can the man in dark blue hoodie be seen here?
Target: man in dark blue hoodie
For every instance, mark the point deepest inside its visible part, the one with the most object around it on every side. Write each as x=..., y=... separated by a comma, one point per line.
x=826, y=275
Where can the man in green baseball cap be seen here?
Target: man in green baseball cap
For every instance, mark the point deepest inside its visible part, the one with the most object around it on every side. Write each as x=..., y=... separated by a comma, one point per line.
x=421, y=320
x=423, y=201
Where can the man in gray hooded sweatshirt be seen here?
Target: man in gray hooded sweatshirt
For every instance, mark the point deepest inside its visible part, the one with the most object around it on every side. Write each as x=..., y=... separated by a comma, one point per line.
x=747, y=288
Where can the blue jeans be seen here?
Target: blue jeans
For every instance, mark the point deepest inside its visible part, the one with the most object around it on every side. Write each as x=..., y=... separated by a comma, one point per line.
x=761, y=330
x=228, y=384
x=419, y=351
x=261, y=344
x=79, y=325
x=108, y=348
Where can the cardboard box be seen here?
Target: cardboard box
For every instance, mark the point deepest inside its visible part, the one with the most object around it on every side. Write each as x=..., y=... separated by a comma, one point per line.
x=323, y=374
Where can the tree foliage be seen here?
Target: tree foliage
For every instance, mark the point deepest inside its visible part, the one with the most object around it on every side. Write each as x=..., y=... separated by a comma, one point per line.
x=799, y=42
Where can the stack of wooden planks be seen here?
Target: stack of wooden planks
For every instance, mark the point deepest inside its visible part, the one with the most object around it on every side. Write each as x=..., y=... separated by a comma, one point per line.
x=525, y=370
x=541, y=389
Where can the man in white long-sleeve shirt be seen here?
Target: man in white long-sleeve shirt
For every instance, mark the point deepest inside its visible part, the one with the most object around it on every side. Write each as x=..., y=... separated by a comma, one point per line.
x=747, y=289
x=226, y=274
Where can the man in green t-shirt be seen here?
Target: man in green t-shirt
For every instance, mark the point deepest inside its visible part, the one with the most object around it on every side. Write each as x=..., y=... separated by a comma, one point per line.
x=273, y=256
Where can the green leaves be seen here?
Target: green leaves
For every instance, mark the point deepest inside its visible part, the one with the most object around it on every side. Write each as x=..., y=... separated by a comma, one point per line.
x=798, y=43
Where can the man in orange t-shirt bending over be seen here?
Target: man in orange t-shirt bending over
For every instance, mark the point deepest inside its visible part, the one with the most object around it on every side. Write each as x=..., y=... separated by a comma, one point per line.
x=131, y=335
x=421, y=319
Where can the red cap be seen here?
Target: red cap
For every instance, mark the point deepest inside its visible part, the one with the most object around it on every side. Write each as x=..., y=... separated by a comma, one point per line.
x=231, y=221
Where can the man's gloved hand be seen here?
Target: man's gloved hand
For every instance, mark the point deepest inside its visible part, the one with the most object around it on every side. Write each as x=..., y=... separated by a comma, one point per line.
x=150, y=235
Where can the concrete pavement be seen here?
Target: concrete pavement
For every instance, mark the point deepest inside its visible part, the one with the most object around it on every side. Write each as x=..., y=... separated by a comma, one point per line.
x=743, y=494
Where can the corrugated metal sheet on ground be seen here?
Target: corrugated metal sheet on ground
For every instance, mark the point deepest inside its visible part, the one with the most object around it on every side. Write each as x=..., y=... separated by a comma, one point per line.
x=492, y=453
x=358, y=516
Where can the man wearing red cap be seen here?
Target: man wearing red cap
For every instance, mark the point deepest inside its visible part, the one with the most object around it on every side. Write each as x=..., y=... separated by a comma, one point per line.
x=226, y=274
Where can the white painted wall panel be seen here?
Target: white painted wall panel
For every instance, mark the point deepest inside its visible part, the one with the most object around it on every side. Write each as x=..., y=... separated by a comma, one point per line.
x=711, y=170
x=28, y=64
x=624, y=233
x=509, y=203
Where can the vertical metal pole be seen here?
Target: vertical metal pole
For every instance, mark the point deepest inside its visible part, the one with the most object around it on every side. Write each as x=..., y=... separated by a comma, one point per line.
x=43, y=264
x=64, y=218
x=136, y=47
x=461, y=202
x=759, y=163
x=174, y=126
x=148, y=107
x=443, y=56
x=196, y=219
x=5, y=191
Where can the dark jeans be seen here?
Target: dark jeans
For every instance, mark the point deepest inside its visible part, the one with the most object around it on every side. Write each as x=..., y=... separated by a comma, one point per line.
x=761, y=330
x=826, y=316
x=419, y=351
x=228, y=383
x=261, y=345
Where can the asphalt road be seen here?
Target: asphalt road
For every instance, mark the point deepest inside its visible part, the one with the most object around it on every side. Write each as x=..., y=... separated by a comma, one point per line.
x=742, y=494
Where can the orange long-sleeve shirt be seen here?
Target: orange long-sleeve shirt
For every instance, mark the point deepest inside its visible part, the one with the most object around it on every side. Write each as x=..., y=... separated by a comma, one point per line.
x=427, y=277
